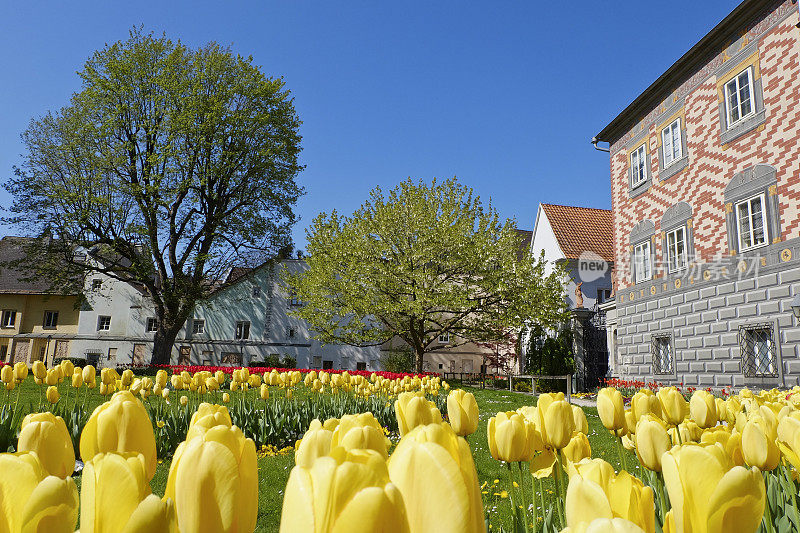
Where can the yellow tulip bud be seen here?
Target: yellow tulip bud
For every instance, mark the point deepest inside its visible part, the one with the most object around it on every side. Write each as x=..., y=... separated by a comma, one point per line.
x=596, y=493
x=51, y=378
x=652, y=442
x=316, y=442
x=77, y=380
x=127, y=377
x=759, y=448
x=184, y=401
x=611, y=409
x=216, y=482
x=673, y=405
x=47, y=435
x=557, y=424
x=113, y=485
x=724, y=495
x=462, y=410
x=226, y=397
x=153, y=515
x=52, y=394
x=512, y=437
x=428, y=459
x=39, y=370
x=7, y=374
x=703, y=409
x=579, y=419
x=362, y=431
x=263, y=391
x=120, y=425
x=20, y=371
x=413, y=410
x=89, y=374
x=577, y=449
x=350, y=490
x=645, y=402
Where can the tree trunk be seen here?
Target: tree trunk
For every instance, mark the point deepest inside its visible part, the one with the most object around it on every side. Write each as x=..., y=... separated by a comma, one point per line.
x=163, y=341
x=419, y=352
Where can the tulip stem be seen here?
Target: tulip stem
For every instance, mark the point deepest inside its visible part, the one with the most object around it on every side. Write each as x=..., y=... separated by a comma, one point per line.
x=793, y=491
x=767, y=512
x=559, y=495
x=525, y=507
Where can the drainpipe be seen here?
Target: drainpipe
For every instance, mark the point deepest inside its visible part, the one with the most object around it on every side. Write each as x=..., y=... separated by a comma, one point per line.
x=599, y=149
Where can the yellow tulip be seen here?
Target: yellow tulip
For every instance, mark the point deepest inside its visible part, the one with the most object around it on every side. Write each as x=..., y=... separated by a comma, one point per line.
x=47, y=435
x=596, y=493
x=112, y=487
x=349, y=492
x=611, y=409
x=578, y=448
x=51, y=507
x=51, y=378
x=89, y=374
x=161, y=378
x=512, y=437
x=120, y=425
x=77, y=380
x=153, y=515
x=673, y=405
x=579, y=419
x=789, y=438
x=7, y=374
x=39, y=371
x=557, y=424
x=316, y=442
x=759, y=448
x=703, y=409
x=652, y=442
x=255, y=381
x=184, y=401
x=362, y=431
x=216, y=482
x=708, y=496
x=20, y=371
x=52, y=394
x=263, y=392
x=434, y=471
x=226, y=397
x=30, y=500
x=414, y=410
x=107, y=376
x=462, y=410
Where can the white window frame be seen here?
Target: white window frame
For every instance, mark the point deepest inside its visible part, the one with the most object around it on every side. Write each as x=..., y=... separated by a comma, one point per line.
x=101, y=323
x=151, y=325
x=749, y=203
x=240, y=330
x=9, y=318
x=50, y=320
x=676, y=262
x=198, y=326
x=638, y=250
x=444, y=338
x=640, y=164
x=675, y=151
x=729, y=106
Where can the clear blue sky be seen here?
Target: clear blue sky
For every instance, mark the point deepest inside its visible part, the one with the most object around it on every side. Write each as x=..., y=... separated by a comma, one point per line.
x=505, y=95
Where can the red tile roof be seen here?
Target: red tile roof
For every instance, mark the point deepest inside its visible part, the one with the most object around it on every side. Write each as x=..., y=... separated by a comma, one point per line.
x=581, y=229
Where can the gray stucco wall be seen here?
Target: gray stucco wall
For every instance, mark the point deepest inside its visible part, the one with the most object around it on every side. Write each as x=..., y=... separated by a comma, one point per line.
x=704, y=316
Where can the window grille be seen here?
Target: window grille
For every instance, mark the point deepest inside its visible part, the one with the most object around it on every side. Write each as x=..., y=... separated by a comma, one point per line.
x=759, y=353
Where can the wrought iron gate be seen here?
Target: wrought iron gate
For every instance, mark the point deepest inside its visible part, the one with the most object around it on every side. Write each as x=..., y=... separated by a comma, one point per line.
x=595, y=349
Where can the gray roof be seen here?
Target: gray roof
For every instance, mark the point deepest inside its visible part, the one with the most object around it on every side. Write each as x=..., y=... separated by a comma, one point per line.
x=16, y=280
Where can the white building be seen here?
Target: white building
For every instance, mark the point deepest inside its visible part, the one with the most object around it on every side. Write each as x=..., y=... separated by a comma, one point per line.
x=246, y=319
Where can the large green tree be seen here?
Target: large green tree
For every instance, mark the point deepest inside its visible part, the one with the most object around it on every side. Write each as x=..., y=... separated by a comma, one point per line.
x=169, y=166
x=424, y=260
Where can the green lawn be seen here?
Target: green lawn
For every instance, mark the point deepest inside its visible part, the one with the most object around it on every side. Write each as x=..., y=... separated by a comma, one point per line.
x=274, y=470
